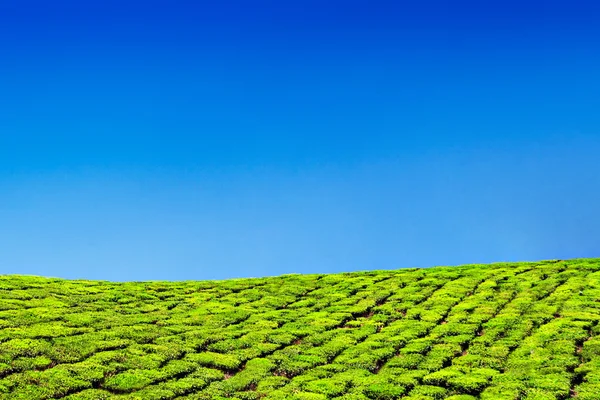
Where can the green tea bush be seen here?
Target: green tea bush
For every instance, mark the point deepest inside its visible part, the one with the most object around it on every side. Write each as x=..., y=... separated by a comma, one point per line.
x=492, y=332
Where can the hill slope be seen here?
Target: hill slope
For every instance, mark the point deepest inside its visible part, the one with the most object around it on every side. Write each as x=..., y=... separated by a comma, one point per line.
x=500, y=331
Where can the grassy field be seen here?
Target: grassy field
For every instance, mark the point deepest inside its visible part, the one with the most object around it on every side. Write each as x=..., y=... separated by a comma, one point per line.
x=499, y=331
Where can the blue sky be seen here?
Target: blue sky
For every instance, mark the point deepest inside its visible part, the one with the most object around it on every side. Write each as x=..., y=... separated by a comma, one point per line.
x=209, y=140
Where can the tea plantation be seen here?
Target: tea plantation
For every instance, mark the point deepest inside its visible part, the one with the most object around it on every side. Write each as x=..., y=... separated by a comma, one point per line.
x=499, y=331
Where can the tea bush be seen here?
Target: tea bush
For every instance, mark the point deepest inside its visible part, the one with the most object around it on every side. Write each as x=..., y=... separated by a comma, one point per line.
x=492, y=332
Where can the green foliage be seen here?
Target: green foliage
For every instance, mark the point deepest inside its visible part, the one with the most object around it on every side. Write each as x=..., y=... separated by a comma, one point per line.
x=492, y=332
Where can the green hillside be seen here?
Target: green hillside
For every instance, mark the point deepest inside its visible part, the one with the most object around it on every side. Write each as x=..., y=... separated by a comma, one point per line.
x=499, y=331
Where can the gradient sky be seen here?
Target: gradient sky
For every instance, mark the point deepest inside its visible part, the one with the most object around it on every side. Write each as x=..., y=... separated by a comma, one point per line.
x=215, y=139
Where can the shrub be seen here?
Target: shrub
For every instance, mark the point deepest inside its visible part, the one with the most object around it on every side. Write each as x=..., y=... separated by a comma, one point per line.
x=501, y=331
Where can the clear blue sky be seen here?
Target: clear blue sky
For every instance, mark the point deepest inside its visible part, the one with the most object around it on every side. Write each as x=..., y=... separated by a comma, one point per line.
x=215, y=139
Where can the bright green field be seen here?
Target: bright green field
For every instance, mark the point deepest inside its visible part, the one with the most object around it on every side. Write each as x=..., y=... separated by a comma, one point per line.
x=500, y=331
